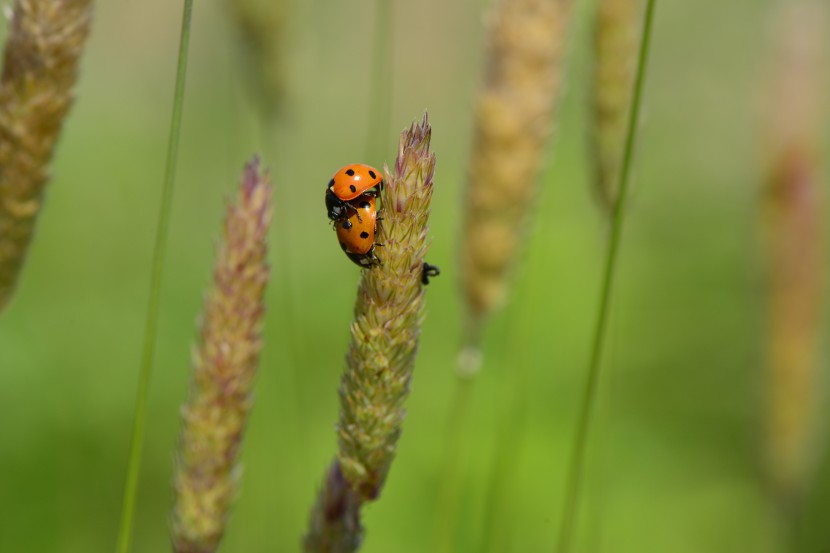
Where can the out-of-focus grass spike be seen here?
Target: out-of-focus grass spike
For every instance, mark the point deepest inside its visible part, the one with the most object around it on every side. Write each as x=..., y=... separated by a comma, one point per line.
x=795, y=251
x=224, y=366
x=262, y=28
x=617, y=28
x=523, y=73
x=524, y=63
x=40, y=66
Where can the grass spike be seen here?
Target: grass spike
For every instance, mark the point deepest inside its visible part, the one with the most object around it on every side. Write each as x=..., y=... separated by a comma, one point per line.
x=40, y=67
x=380, y=361
x=224, y=366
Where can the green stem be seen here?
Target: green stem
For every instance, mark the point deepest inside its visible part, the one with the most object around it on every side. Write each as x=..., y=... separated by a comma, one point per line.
x=148, y=351
x=576, y=467
x=381, y=96
x=508, y=443
x=451, y=487
x=511, y=402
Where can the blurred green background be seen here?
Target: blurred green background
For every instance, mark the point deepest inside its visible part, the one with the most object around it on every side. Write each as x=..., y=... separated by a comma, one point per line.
x=674, y=466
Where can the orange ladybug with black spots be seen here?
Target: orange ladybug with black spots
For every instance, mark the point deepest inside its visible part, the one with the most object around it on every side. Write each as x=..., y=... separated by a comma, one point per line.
x=348, y=183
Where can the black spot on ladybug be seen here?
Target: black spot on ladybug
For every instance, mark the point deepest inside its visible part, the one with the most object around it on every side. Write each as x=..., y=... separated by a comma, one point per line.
x=364, y=235
x=347, y=225
x=350, y=172
x=352, y=188
x=372, y=174
x=364, y=204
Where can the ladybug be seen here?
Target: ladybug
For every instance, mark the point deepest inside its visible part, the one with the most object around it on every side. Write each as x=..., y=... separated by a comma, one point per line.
x=348, y=183
x=356, y=234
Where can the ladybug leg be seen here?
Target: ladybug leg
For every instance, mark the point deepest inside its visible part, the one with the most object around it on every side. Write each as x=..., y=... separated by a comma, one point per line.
x=356, y=211
x=375, y=259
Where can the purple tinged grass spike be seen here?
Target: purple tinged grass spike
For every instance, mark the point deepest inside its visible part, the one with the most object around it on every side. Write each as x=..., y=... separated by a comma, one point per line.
x=381, y=358
x=224, y=365
x=795, y=250
x=335, y=520
x=386, y=327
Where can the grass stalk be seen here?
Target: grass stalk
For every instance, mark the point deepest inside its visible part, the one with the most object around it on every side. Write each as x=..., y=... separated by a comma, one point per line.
x=153, y=302
x=508, y=443
x=451, y=491
x=511, y=414
x=576, y=467
x=40, y=67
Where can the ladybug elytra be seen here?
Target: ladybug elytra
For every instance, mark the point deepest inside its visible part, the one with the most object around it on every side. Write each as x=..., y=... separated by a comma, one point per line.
x=348, y=183
x=356, y=233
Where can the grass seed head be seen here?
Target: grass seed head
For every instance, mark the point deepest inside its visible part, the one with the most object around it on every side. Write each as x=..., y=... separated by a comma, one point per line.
x=617, y=31
x=40, y=65
x=224, y=365
x=261, y=27
x=387, y=320
x=388, y=313
x=795, y=253
x=513, y=119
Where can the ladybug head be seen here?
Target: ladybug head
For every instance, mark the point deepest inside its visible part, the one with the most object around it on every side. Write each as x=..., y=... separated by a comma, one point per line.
x=335, y=207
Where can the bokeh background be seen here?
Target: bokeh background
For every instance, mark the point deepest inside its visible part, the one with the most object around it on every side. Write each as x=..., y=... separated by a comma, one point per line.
x=674, y=462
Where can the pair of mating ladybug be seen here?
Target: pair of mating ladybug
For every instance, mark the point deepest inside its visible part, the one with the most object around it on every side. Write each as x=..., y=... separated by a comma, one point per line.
x=351, y=203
